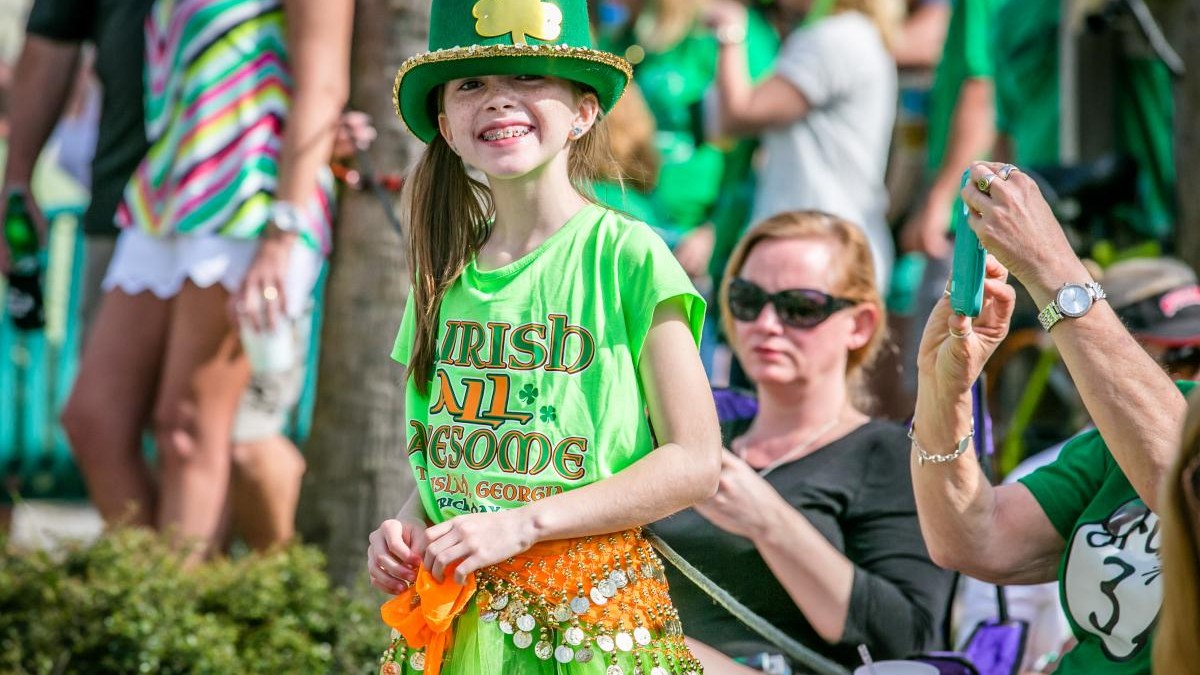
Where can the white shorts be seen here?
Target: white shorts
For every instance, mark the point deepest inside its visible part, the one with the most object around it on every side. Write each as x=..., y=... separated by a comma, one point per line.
x=160, y=265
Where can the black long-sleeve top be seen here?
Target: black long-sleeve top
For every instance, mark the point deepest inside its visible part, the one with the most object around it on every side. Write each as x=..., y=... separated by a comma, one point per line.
x=857, y=491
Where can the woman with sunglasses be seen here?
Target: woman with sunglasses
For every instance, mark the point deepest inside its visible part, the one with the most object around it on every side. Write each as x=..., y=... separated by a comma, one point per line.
x=813, y=526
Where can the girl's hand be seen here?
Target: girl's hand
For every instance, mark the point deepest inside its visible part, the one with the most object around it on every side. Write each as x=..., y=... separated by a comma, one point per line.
x=739, y=506
x=477, y=540
x=954, y=349
x=395, y=553
x=262, y=302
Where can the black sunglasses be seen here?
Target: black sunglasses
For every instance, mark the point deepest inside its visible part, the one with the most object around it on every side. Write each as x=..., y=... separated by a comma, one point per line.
x=796, y=307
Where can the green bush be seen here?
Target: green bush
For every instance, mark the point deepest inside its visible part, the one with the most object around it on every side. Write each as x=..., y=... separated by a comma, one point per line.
x=126, y=605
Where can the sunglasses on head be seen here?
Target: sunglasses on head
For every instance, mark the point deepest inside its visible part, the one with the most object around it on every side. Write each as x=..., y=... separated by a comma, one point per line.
x=796, y=307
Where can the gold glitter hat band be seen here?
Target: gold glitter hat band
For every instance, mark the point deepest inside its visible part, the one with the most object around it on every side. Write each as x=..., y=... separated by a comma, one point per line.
x=421, y=75
x=473, y=38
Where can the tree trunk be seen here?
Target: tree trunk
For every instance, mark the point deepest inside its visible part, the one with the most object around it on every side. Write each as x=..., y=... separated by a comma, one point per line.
x=1181, y=20
x=357, y=473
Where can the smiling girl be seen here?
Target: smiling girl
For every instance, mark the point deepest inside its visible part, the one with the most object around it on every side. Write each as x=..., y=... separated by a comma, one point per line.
x=540, y=331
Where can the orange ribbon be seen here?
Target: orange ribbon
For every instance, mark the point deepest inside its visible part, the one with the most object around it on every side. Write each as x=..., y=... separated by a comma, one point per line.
x=425, y=612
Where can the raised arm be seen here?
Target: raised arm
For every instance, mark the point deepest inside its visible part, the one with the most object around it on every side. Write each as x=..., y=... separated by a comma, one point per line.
x=746, y=108
x=681, y=471
x=999, y=534
x=1135, y=405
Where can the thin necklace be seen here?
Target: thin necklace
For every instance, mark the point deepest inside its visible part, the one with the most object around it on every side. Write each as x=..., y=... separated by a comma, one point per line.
x=796, y=450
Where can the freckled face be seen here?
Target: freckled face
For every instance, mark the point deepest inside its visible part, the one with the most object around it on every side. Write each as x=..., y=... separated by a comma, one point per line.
x=511, y=125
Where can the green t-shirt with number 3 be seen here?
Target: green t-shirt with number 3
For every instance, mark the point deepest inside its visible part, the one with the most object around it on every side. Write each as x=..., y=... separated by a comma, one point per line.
x=535, y=389
x=1110, y=577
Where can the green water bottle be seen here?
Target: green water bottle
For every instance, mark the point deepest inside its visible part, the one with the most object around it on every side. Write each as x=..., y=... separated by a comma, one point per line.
x=25, y=306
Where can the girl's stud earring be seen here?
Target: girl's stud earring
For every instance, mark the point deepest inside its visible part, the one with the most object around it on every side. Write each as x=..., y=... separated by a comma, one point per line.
x=576, y=132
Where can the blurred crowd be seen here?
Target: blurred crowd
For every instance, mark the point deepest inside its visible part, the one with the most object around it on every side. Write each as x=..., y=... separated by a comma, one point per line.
x=803, y=159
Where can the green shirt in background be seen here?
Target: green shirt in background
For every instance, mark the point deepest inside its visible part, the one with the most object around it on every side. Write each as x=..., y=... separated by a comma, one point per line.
x=1110, y=582
x=536, y=387
x=674, y=83
x=967, y=54
x=1145, y=124
x=1025, y=40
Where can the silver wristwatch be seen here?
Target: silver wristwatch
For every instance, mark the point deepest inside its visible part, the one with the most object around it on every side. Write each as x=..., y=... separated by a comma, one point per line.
x=1072, y=301
x=286, y=216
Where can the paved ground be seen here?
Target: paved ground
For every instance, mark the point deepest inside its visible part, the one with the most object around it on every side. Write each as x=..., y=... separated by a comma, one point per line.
x=45, y=524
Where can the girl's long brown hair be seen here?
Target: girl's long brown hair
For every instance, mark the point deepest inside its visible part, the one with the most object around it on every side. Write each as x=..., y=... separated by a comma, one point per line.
x=449, y=217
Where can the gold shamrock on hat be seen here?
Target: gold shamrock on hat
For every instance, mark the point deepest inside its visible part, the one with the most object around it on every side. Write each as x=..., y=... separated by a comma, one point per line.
x=542, y=20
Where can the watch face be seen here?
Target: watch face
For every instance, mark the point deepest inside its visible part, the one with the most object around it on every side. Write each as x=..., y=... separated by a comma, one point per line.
x=1073, y=300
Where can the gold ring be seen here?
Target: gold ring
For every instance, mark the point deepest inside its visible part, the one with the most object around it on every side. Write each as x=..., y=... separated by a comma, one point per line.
x=382, y=568
x=270, y=293
x=985, y=184
x=1006, y=171
x=960, y=334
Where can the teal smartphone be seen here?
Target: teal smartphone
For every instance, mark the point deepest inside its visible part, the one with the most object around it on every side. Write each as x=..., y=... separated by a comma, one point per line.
x=966, y=277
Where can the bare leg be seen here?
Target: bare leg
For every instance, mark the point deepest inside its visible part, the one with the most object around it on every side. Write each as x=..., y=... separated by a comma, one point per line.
x=266, y=489
x=204, y=375
x=111, y=401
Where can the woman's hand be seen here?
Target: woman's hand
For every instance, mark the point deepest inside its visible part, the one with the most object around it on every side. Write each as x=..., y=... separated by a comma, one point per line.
x=395, y=553
x=477, y=540
x=1014, y=223
x=262, y=300
x=740, y=505
x=954, y=348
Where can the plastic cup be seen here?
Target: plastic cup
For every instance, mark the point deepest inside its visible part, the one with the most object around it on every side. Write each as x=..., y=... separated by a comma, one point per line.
x=271, y=350
x=897, y=668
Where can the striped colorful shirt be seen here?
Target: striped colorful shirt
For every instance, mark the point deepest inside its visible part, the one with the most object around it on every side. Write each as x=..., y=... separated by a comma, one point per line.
x=218, y=90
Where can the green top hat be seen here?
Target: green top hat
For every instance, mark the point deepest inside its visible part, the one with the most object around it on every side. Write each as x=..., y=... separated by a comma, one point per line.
x=471, y=38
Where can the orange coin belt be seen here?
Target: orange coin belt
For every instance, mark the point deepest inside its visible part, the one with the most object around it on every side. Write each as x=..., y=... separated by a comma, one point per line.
x=572, y=600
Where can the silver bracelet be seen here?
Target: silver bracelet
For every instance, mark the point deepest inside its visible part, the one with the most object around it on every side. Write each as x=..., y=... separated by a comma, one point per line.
x=923, y=457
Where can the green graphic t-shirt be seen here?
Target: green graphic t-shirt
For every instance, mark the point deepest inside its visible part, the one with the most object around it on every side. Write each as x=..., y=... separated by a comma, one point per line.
x=1110, y=577
x=535, y=389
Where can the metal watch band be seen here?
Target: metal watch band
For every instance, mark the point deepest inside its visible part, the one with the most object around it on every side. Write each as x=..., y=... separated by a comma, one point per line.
x=1051, y=314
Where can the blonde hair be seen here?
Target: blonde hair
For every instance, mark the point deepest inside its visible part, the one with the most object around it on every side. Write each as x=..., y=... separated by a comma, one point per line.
x=886, y=15
x=856, y=280
x=449, y=213
x=1176, y=649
